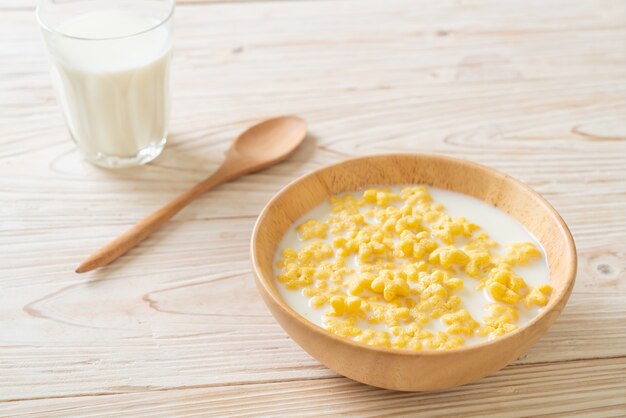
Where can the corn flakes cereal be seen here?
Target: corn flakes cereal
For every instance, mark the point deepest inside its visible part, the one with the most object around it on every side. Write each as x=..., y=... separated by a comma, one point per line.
x=391, y=268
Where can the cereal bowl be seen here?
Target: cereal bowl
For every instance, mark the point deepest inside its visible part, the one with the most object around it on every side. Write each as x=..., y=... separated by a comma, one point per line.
x=402, y=369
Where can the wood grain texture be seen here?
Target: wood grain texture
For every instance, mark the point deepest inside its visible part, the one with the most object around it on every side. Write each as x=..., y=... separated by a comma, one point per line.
x=517, y=391
x=536, y=89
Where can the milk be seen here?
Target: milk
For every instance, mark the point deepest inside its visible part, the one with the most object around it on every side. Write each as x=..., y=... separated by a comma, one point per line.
x=110, y=71
x=498, y=225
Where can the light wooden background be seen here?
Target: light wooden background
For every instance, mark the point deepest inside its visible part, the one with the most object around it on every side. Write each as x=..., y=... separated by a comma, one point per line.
x=176, y=328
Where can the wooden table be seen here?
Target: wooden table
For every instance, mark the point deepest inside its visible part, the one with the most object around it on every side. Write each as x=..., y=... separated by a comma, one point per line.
x=536, y=89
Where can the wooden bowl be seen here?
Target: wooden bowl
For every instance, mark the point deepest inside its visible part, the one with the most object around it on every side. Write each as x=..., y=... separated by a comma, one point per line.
x=403, y=369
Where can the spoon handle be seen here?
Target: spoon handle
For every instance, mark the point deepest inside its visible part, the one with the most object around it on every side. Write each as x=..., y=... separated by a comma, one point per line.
x=150, y=223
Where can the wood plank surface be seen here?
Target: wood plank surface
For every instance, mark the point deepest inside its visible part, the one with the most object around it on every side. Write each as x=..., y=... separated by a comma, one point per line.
x=536, y=89
x=517, y=391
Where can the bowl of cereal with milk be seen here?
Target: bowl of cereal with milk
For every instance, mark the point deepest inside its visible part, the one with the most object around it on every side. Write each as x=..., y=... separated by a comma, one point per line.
x=412, y=271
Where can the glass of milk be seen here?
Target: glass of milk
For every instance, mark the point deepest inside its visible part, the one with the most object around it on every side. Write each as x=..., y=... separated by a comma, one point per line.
x=110, y=64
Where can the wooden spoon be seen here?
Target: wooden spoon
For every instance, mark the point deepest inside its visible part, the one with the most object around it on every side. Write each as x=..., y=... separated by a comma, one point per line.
x=259, y=147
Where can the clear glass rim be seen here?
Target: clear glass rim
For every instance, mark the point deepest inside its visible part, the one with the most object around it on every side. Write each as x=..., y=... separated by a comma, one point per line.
x=47, y=28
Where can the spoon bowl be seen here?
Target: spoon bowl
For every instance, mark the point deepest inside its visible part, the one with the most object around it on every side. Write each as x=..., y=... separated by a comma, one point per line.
x=264, y=144
x=271, y=138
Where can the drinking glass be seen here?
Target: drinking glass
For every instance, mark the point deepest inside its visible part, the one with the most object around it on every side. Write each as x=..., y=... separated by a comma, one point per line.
x=110, y=65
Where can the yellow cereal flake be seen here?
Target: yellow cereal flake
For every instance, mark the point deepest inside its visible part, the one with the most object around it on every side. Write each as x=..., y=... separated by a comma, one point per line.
x=447, y=228
x=412, y=270
x=314, y=253
x=374, y=338
x=442, y=341
x=288, y=256
x=437, y=277
x=479, y=263
x=499, y=321
x=481, y=242
x=346, y=305
x=460, y=322
x=449, y=256
x=410, y=337
x=520, y=253
x=339, y=242
x=437, y=302
x=411, y=257
x=538, y=296
x=505, y=286
x=391, y=284
x=344, y=327
x=339, y=273
x=371, y=251
x=295, y=277
x=380, y=197
x=347, y=204
x=414, y=245
x=370, y=195
x=346, y=222
x=319, y=301
x=324, y=270
x=312, y=229
x=410, y=343
x=361, y=282
x=416, y=195
x=408, y=223
x=388, y=314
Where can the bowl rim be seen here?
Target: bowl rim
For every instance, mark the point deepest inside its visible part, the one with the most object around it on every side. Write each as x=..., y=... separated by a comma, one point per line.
x=570, y=250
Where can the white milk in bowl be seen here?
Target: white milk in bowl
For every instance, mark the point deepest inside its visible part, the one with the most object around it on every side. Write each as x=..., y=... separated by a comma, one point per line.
x=111, y=70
